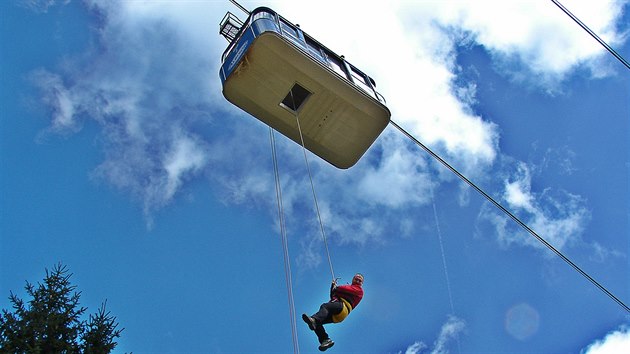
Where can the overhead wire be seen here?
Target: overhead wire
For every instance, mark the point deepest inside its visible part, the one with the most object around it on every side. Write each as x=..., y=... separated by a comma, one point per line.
x=512, y=216
x=285, y=244
x=444, y=266
x=241, y=7
x=593, y=34
x=439, y=233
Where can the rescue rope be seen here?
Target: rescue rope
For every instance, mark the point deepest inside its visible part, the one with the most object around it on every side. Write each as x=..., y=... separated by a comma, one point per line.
x=285, y=246
x=512, y=216
x=310, y=176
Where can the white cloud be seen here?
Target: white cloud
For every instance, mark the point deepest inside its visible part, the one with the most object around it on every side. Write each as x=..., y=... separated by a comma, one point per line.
x=416, y=348
x=530, y=32
x=60, y=99
x=602, y=254
x=185, y=156
x=147, y=89
x=399, y=178
x=557, y=216
x=518, y=192
x=418, y=81
x=617, y=341
x=151, y=83
x=450, y=331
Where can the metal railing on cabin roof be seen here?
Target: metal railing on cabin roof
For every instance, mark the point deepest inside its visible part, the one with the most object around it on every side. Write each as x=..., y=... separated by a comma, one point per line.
x=230, y=26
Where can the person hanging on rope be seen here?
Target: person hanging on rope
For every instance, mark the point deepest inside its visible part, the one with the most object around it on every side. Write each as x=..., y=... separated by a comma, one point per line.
x=343, y=299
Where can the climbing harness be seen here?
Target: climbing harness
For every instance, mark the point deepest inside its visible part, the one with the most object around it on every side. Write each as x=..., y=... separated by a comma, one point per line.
x=344, y=312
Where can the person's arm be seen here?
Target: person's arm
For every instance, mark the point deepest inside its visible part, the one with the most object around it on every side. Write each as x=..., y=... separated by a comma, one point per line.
x=333, y=288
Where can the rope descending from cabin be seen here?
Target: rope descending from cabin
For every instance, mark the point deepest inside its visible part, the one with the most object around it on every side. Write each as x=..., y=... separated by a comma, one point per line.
x=285, y=246
x=512, y=216
x=310, y=176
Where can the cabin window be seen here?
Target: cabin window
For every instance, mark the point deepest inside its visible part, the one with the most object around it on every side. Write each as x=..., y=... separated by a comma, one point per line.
x=337, y=65
x=263, y=14
x=295, y=98
x=313, y=48
x=289, y=29
x=264, y=21
x=359, y=79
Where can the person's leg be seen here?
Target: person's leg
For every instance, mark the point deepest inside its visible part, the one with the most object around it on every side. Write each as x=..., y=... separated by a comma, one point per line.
x=324, y=316
x=321, y=333
x=326, y=311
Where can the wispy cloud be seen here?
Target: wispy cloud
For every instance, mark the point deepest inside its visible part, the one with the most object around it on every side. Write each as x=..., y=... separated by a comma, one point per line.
x=399, y=178
x=557, y=216
x=415, y=348
x=142, y=86
x=41, y=6
x=449, y=333
x=60, y=100
x=602, y=254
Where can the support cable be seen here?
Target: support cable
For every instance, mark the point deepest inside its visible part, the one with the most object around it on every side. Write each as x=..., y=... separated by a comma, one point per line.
x=285, y=246
x=240, y=6
x=513, y=217
x=593, y=34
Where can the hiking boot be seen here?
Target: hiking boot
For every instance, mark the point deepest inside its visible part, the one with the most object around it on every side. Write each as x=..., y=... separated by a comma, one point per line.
x=310, y=321
x=327, y=343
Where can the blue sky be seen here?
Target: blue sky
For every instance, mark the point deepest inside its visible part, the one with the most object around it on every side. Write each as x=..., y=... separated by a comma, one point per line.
x=120, y=158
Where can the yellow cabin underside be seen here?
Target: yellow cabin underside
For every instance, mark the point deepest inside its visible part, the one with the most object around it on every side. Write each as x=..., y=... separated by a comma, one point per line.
x=338, y=121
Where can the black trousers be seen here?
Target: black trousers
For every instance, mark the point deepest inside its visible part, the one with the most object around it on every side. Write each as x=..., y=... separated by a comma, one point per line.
x=324, y=316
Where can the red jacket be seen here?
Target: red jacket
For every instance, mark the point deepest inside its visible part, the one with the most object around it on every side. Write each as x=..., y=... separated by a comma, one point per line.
x=351, y=293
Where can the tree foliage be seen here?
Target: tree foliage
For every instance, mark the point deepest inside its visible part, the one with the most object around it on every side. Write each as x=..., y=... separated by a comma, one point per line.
x=52, y=321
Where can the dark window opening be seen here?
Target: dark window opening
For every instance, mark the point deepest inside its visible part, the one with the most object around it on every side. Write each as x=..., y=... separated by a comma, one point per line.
x=295, y=98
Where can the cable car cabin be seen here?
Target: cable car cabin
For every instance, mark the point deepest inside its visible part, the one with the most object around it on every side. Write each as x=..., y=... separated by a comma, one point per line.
x=277, y=73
